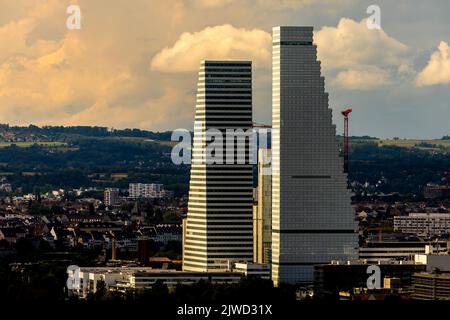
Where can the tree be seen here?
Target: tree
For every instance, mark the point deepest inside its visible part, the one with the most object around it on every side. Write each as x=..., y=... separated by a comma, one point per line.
x=25, y=249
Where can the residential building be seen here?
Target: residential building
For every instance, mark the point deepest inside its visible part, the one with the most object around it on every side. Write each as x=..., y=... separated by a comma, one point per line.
x=148, y=190
x=313, y=221
x=423, y=224
x=12, y=234
x=111, y=197
x=219, y=227
x=432, y=191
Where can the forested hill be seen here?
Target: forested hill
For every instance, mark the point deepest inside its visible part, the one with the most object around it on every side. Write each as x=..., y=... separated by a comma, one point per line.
x=55, y=132
x=50, y=158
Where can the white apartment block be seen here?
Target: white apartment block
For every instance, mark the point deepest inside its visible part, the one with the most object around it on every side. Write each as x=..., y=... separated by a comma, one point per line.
x=147, y=190
x=111, y=196
x=423, y=224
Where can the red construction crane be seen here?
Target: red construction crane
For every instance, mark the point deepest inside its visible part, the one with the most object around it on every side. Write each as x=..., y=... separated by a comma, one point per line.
x=346, y=113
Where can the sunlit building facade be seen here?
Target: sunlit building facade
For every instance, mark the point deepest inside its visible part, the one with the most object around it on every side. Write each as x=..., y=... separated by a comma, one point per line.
x=312, y=217
x=219, y=225
x=262, y=226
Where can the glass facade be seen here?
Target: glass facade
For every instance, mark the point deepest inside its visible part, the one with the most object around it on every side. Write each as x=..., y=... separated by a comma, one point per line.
x=312, y=218
x=219, y=227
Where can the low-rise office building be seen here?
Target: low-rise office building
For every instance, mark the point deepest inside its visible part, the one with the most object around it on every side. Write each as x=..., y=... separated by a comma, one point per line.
x=399, y=247
x=423, y=224
x=120, y=279
x=352, y=276
x=253, y=269
x=434, y=262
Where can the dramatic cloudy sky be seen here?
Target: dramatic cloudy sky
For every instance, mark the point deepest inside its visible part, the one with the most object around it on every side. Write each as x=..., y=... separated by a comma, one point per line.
x=134, y=62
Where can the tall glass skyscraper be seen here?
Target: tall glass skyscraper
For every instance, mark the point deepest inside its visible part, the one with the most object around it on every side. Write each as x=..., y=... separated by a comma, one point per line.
x=312, y=217
x=219, y=220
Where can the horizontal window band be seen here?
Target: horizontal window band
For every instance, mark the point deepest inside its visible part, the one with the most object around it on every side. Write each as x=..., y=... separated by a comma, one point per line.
x=233, y=81
x=293, y=43
x=228, y=192
x=217, y=207
x=226, y=70
x=222, y=227
x=228, y=114
x=220, y=173
x=227, y=64
x=223, y=126
x=230, y=224
x=315, y=231
x=225, y=76
x=298, y=263
x=231, y=245
x=239, y=198
x=224, y=96
x=226, y=249
x=243, y=91
x=237, y=183
x=224, y=167
x=311, y=177
x=229, y=103
x=228, y=87
x=216, y=178
x=211, y=107
x=238, y=203
x=240, y=217
x=218, y=241
x=229, y=235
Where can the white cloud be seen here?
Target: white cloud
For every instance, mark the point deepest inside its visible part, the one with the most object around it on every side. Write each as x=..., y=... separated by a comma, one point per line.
x=362, y=58
x=95, y=76
x=352, y=44
x=214, y=43
x=437, y=70
x=100, y=75
x=213, y=3
x=362, y=79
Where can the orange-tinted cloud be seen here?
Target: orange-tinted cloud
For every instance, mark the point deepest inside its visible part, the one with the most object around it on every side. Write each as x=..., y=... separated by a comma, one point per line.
x=214, y=43
x=437, y=70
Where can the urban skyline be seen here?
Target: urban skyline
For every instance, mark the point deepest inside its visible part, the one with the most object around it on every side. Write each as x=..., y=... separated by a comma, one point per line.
x=117, y=71
x=266, y=206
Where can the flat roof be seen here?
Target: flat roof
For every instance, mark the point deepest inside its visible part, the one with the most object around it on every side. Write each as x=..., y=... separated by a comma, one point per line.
x=150, y=270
